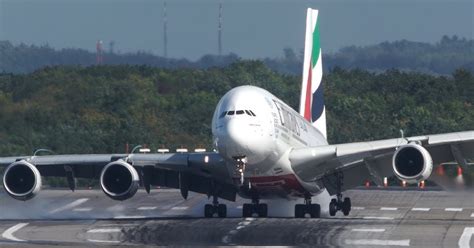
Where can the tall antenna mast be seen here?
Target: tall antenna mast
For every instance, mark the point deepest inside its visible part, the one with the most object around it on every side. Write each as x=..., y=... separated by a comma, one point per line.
x=219, y=31
x=165, y=32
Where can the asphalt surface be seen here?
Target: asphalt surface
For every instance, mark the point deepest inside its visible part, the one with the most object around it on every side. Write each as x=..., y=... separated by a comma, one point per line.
x=379, y=218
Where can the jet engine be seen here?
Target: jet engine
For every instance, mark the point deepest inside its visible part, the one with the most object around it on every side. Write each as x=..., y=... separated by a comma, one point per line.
x=119, y=180
x=22, y=180
x=412, y=163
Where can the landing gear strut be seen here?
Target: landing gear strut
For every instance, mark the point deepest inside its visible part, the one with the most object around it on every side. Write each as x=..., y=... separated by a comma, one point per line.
x=215, y=208
x=261, y=209
x=314, y=210
x=240, y=168
x=338, y=204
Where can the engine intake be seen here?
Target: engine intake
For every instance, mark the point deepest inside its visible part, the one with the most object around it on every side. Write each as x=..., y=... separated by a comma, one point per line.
x=22, y=180
x=119, y=180
x=412, y=163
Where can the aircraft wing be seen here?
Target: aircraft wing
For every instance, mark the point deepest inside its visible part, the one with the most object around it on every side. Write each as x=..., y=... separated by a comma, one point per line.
x=372, y=160
x=204, y=173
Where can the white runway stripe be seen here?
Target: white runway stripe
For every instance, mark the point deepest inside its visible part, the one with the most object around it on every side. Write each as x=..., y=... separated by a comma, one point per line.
x=388, y=209
x=420, y=209
x=146, y=208
x=82, y=209
x=105, y=230
x=357, y=208
x=8, y=234
x=466, y=237
x=368, y=230
x=70, y=205
x=179, y=208
x=129, y=217
x=472, y=215
x=453, y=209
x=377, y=218
x=404, y=242
x=103, y=241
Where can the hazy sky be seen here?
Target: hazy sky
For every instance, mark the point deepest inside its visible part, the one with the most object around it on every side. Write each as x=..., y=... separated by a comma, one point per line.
x=251, y=28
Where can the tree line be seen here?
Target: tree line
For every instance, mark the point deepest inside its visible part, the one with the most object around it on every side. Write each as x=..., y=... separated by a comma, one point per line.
x=441, y=58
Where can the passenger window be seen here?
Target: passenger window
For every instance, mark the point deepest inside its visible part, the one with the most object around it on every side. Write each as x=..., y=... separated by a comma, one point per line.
x=223, y=114
x=252, y=112
x=230, y=113
x=240, y=112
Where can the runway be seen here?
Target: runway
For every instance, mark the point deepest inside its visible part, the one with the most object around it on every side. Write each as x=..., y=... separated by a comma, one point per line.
x=394, y=218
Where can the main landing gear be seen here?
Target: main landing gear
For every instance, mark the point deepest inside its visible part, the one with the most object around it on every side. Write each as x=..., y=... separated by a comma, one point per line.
x=215, y=208
x=261, y=209
x=314, y=210
x=338, y=204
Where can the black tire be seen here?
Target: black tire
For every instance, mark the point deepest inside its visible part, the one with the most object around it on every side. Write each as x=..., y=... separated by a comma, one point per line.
x=333, y=207
x=222, y=210
x=299, y=210
x=247, y=210
x=262, y=210
x=315, y=210
x=346, y=206
x=208, y=211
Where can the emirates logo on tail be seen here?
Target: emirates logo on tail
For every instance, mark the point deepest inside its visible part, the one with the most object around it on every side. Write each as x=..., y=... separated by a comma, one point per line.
x=312, y=91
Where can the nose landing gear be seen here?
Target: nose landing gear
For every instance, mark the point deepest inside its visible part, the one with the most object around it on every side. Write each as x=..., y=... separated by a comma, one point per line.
x=240, y=168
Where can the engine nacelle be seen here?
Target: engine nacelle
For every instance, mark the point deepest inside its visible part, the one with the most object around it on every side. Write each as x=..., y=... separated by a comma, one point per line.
x=412, y=163
x=22, y=180
x=119, y=180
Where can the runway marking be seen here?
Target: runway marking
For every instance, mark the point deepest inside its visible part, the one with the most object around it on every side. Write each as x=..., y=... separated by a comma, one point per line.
x=358, y=208
x=129, y=217
x=367, y=230
x=388, y=209
x=243, y=224
x=466, y=237
x=105, y=230
x=82, y=209
x=146, y=208
x=377, y=218
x=403, y=242
x=472, y=215
x=70, y=205
x=453, y=209
x=179, y=208
x=103, y=241
x=239, y=207
x=8, y=234
x=420, y=209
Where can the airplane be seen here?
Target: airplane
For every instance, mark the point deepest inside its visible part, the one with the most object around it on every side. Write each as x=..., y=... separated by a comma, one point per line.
x=264, y=150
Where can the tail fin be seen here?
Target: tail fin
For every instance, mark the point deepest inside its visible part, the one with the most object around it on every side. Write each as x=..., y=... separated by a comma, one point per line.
x=312, y=97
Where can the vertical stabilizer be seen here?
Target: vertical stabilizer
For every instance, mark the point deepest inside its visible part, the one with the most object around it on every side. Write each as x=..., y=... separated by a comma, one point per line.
x=312, y=97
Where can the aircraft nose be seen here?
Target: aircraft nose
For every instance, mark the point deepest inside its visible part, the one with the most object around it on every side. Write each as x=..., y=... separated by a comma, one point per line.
x=237, y=137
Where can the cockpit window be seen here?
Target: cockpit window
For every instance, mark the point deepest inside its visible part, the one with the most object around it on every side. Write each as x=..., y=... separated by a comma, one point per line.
x=248, y=113
x=230, y=113
x=223, y=114
x=239, y=112
x=252, y=112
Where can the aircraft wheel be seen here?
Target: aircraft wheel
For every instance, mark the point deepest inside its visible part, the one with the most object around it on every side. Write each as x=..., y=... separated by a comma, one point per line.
x=315, y=210
x=262, y=210
x=332, y=207
x=247, y=210
x=299, y=210
x=346, y=206
x=208, y=210
x=222, y=210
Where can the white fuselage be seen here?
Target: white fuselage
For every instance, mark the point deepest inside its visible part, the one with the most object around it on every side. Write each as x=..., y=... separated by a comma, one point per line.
x=251, y=123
